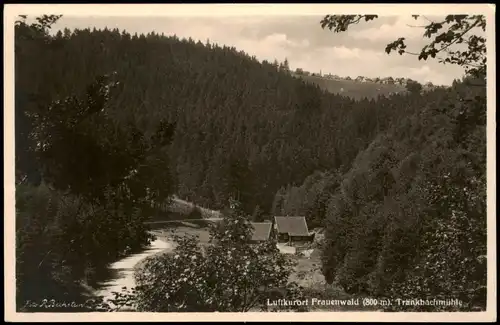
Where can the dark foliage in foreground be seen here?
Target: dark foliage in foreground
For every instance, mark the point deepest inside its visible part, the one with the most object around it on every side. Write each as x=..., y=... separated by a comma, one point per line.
x=85, y=183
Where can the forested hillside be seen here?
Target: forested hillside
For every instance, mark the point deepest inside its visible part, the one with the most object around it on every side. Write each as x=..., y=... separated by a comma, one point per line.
x=242, y=128
x=108, y=123
x=408, y=217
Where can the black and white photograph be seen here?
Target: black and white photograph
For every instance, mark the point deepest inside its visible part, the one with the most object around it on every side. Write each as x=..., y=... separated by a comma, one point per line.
x=250, y=160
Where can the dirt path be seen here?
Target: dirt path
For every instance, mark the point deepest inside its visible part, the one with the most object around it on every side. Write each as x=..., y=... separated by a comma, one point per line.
x=123, y=270
x=214, y=219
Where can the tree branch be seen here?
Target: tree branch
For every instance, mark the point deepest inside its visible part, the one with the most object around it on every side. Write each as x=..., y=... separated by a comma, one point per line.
x=413, y=26
x=359, y=18
x=425, y=17
x=460, y=36
x=43, y=259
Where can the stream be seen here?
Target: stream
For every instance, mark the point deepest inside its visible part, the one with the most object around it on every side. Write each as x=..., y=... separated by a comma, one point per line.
x=123, y=270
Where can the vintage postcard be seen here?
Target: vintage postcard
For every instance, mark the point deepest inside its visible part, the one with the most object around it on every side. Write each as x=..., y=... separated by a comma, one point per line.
x=250, y=162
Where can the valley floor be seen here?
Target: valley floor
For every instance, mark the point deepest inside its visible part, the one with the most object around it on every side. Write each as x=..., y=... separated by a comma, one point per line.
x=307, y=272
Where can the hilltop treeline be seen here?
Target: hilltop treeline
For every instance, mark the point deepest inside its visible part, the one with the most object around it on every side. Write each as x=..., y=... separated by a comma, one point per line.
x=389, y=178
x=243, y=128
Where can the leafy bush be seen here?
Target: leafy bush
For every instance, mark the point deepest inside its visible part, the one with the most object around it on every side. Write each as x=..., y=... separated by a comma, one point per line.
x=228, y=275
x=59, y=240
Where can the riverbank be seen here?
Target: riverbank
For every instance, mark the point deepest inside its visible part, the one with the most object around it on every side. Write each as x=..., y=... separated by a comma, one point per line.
x=123, y=270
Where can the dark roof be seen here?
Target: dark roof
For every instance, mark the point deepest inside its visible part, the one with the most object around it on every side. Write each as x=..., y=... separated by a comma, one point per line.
x=294, y=226
x=261, y=230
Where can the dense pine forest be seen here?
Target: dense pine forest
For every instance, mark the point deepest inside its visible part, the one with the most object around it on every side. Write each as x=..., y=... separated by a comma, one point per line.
x=242, y=128
x=108, y=124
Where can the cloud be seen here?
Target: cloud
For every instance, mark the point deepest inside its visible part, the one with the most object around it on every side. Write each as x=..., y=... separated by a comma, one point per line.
x=352, y=54
x=283, y=41
x=426, y=73
x=388, y=32
x=342, y=52
x=422, y=71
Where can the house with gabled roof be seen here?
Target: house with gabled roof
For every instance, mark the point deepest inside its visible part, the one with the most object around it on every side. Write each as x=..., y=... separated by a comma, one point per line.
x=292, y=229
x=388, y=80
x=261, y=231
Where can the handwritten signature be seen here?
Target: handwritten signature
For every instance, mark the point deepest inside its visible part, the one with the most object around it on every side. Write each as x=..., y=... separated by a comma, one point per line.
x=52, y=303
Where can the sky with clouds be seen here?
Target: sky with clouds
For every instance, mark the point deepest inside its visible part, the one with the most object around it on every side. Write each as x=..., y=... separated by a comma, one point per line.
x=300, y=39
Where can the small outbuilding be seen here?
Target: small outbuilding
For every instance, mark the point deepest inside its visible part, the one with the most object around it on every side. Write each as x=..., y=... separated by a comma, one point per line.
x=261, y=231
x=292, y=229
